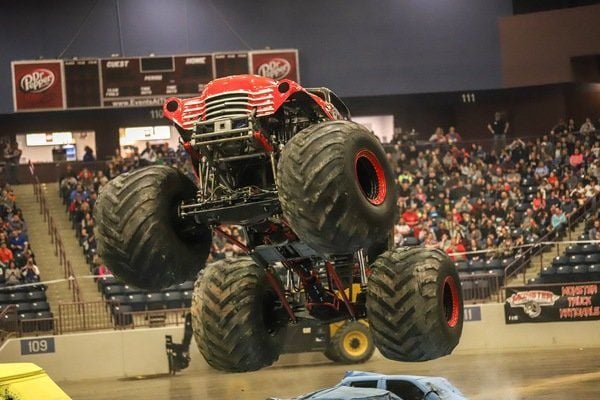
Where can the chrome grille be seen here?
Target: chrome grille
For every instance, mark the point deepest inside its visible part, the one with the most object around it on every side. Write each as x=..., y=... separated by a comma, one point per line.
x=226, y=105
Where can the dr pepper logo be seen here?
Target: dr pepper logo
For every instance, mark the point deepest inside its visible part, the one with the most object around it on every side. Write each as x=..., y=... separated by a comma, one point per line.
x=37, y=81
x=277, y=68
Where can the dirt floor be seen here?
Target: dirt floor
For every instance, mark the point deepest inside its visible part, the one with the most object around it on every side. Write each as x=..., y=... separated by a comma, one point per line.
x=538, y=374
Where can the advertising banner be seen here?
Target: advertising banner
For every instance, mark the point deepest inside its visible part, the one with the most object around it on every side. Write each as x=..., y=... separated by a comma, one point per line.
x=38, y=85
x=552, y=303
x=276, y=64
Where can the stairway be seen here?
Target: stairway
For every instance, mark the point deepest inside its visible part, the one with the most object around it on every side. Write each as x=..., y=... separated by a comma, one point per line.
x=557, y=249
x=40, y=241
x=91, y=316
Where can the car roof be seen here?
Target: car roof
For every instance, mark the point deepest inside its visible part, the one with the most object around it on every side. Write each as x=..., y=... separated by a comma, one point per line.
x=372, y=375
x=351, y=393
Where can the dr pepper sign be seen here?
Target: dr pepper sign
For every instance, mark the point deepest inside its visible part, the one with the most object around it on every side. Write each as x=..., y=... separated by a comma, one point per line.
x=38, y=85
x=280, y=64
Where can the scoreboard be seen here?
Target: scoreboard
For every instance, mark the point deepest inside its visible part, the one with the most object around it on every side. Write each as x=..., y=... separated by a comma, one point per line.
x=136, y=81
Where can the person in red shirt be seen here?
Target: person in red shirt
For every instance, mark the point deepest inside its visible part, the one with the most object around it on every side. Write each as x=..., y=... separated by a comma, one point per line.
x=6, y=254
x=410, y=216
x=457, y=247
x=576, y=159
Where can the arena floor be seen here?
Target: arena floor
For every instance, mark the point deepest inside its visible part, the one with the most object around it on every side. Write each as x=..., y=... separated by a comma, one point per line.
x=540, y=374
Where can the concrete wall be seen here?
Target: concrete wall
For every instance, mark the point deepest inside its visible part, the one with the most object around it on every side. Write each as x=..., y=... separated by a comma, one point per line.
x=537, y=48
x=142, y=352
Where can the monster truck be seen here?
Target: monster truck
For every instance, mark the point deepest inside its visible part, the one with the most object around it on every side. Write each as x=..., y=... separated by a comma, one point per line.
x=313, y=193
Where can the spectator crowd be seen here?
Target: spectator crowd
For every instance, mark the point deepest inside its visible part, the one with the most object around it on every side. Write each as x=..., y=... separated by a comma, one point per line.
x=17, y=260
x=456, y=197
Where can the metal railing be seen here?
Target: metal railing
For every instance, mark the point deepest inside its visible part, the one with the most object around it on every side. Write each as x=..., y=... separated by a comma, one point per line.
x=482, y=288
x=56, y=240
x=87, y=316
x=519, y=265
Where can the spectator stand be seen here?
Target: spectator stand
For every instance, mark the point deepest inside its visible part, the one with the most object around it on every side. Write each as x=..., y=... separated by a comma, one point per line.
x=24, y=309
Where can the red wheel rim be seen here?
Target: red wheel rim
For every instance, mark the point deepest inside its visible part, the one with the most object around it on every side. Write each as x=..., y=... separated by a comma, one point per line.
x=451, y=302
x=370, y=176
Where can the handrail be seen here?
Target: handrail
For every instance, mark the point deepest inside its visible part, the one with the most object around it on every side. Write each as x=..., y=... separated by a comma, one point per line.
x=56, y=239
x=520, y=263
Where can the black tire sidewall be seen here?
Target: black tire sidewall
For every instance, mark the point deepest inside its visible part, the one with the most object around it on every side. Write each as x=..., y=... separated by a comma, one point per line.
x=451, y=334
x=365, y=210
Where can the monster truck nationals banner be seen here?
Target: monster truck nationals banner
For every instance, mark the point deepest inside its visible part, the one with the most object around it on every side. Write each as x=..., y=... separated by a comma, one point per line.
x=553, y=303
x=136, y=81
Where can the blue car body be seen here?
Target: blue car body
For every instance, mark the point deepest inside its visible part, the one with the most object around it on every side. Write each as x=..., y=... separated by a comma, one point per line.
x=408, y=387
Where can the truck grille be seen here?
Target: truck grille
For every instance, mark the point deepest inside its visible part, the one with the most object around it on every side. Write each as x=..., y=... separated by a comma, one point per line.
x=226, y=105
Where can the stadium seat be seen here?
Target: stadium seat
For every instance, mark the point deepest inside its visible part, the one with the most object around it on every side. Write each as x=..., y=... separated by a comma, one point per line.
x=187, y=298
x=461, y=266
x=534, y=281
x=580, y=269
x=522, y=207
x=564, y=270
x=478, y=265
x=583, y=236
x=561, y=260
x=528, y=182
x=577, y=259
x=499, y=273
x=4, y=298
x=574, y=250
x=129, y=290
x=507, y=261
x=122, y=315
x=482, y=289
x=24, y=307
x=36, y=296
x=493, y=264
x=517, y=232
x=119, y=299
x=40, y=306
x=590, y=249
x=107, y=281
x=137, y=302
x=17, y=297
x=592, y=258
x=185, y=286
x=410, y=241
x=155, y=301
x=113, y=290
x=548, y=271
x=594, y=272
x=46, y=325
x=173, y=299
x=467, y=289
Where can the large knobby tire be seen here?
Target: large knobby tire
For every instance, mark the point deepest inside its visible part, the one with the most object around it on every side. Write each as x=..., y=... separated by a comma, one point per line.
x=336, y=188
x=140, y=238
x=234, y=317
x=352, y=343
x=414, y=304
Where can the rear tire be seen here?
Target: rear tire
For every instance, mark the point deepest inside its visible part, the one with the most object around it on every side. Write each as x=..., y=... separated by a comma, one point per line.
x=140, y=237
x=336, y=188
x=234, y=317
x=352, y=343
x=414, y=304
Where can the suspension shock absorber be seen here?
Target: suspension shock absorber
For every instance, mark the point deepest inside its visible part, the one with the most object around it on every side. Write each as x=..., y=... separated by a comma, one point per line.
x=312, y=285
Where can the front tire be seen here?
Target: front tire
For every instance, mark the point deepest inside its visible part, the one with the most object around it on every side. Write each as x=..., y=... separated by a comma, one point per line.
x=336, y=188
x=414, y=304
x=235, y=317
x=140, y=237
